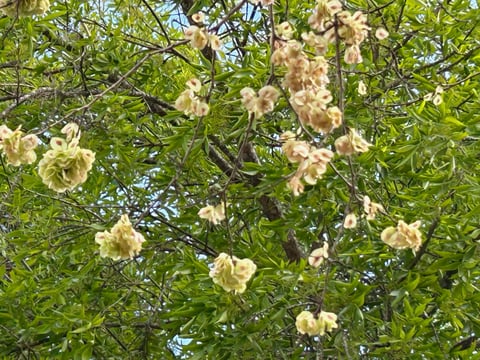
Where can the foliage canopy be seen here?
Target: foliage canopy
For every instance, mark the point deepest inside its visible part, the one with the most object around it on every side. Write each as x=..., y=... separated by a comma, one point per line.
x=117, y=68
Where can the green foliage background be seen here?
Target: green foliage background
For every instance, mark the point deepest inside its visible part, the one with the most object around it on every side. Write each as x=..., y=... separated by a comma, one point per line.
x=116, y=68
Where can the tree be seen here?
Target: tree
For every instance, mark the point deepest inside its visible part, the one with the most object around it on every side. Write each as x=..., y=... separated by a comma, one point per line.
x=305, y=181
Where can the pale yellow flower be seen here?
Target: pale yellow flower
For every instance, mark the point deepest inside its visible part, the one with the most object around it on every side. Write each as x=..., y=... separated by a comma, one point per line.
x=403, y=236
x=381, y=33
x=317, y=256
x=350, y=221
x=122, y=242
x=24, y=7
x=66, y=165
x=231, y=273
x=362, y=88
x=214, y=214
x=371, y=208
x=17, y=148
x=307, y=323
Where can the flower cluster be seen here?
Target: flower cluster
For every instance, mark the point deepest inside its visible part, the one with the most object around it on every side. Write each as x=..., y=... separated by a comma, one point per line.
x=351, y=143
x=307, y=323
x=17, y=148
x=312, y=161
x=317, y=256
x=232, y=273
x=24, y=7
x=403, y=236
x=352, y=29
x=261, y=104
x=122, y=242
x=198, y=35
x=284, y=30
x=214, y=214
x=371, y=208
x=66, y=165
x=306, y=80
x=435, y=97
x=189, y=103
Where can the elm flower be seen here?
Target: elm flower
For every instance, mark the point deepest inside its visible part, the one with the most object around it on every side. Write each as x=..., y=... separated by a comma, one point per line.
x=435, y=97
x=189, y=103
x=66, y=165
x=214, y=214
x=351, y=143
x=362, y=88
x=284, y=30
x=350, y=221
x=317, y=256
x=261, y=104
x=403, y=236
x=232, y=273
x=307, y=323
x=371, y=208
x=381, y=33
x=122, y=242
x=24, y=7
x=17, y=148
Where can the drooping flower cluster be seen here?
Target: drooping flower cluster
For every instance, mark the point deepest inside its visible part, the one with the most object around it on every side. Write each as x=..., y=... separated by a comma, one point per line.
x=17, y=148
x=214, y=214
x=351, y=29
x=231, y=273
x=306, y=80
x=199, y=36
x=351, y=143
x=403, y=236
x=261, y=104
x=307, y=323
x=66, y=165
x=312, y=161
x=318, y=256
x=122, y=242
x=189, y=103
x=24, y=7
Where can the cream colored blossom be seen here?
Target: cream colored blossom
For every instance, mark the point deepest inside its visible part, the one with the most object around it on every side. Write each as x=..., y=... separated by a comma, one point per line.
x=24, y=7
x=307, y=323
x=17, y=148
x=214, y=214
x=189, y=103
x=362, y=88
x=351, y=143
x=232, y=273
x=66, y=165
x=197, y=36
x=403, y=236
x=295, y=184
x=371, y=208
x=436, y=97
x=284, y=30
x=350, y=221
x=317, y=256
x=199, y=17
x=261, y=104
x=353, y=55
x=122, y=242
x=215, y=42
x=328, y=321
x=381, y=33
